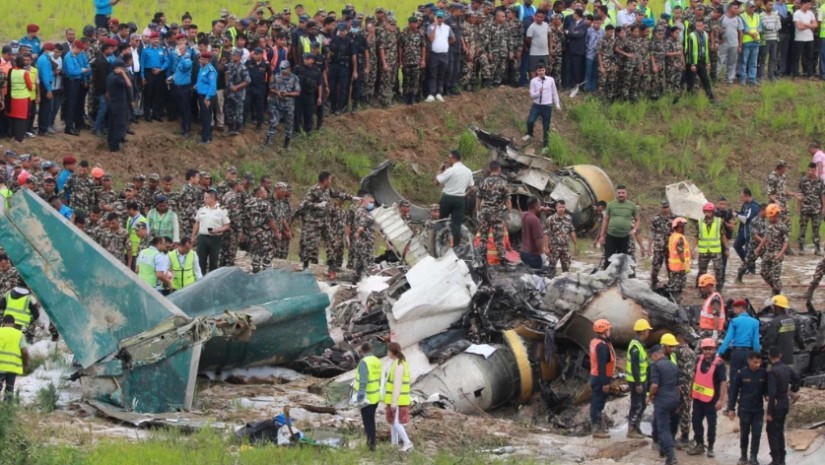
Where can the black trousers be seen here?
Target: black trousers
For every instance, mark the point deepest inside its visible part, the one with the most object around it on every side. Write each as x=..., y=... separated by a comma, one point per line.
x=637, y=405
x=776, y=435
x=576, y=69
x=700, y=412
x=74, y=104
x=209, y=248
x=183, y=97
x=750, y=428
x=452, y=206
x=358, y=84
x=117, y=124
x=257, y=103
x=304, y=111
x=702, y=74
x=44, y=115
x=614, y=245
x=18, y=128
x=804, y=52
x=153, y=93
x=339, y=80
x=101, y=21
x=8, y=379
x=453, y=70
x=368, y=417
x=439, y=62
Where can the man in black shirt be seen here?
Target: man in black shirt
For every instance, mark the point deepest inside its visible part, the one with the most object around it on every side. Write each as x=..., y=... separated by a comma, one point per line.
x=359, y=49
x=749, y=387
x=118, y=87
x=341, y=62
x=100, y=70
x=257, y=91
x=783, y=331
x=664, y=395
x=309, y=74
x=781, y=378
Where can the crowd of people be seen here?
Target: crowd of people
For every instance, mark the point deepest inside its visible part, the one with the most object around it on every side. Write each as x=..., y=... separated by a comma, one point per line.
x=265, y=68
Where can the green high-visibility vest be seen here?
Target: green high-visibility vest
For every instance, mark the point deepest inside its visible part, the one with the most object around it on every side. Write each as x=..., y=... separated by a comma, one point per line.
x=373, y=378
x=753, y=24
x=11, y=356
x=19, y=309
x=146, y=266
x=821, y=27
x=693, y=47
x=404, y=396
x=644, y=360
x=185, y=275
x=131, y=227
x=6, y=193
x=673, y=358
x=710, y=239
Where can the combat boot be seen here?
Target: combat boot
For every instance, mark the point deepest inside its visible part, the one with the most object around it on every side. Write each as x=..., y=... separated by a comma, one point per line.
x=817, y=251
x=753, y=460
x=711, y=454
x=599, y=432
x=670, y=456
x=809, y=294
x=633, y=432
x=286, y=143
x=739, y=275
x=698, y=449
x=268, y=140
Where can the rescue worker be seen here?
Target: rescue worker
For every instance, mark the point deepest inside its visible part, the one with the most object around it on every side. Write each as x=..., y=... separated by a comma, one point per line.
x=14, y=357
x=664, y=379
x=712, y=315
x=678, y=261
x=710, y=242
x=368, y=383
x=749, y=387
x=397, y=398
x=602, y=365
x=776, y=245
x=184, y=265
x=19, y=304
x=742, y=337
x=636, y=375
x=708, y=392
x=783, y=330
x=685, y=360
x=781, y=379
x=153, y=266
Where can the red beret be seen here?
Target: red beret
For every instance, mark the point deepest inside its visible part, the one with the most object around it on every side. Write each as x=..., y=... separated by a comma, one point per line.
x=740, y=303
x=32, y=28
x=80, y=44
x=21, y=180
x=69, y=160
x=111, y=42
x=114, y=21
x=48, y=46
x=180, y=36
x=207, y=54
x=154, y=35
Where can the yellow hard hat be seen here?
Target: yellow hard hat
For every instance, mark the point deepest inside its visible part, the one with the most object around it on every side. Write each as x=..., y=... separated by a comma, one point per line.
x=641, y=325
x=668, y=340
x=780, y=301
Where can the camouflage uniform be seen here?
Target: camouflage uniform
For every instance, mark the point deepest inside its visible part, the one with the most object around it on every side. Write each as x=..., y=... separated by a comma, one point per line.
x=8, y=280
x=92, y=52
x=282, y=244
x=499, y=50
x=411, y=44
x=676, y=280
x=191, y=197
x=810, y=210
x=716, y=30
x=234, y=204
x=282, y=107
x=660, y=229
x=258, y=218
x=818, y=274
x=477, y=43
x=93, y=230
x=314, y=221
x=82, y=192
x=236, y=74
x=493, y=193
x=776, y=235
x=657, y=79
x=776, y=187
x=607, y=79
x=388, y=42
x=116, y=243
x=558, y=231
x=335, y=224
x=556, y=50
x=364, y=244
x=674, y=67
x=632, y=69
x=372, y=74
x=757, y=228
x=215, y=42
x=147, y=195
x=686, y=361
x=516, y=31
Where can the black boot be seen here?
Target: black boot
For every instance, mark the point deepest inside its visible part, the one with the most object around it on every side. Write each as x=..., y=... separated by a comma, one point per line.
x=670, y=456
x=268, y=140
x=286, y=143
x=739, y=275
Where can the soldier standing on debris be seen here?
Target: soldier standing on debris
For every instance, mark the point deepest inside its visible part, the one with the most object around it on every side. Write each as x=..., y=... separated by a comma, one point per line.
x=783, y=330
x=781, y=378
x=749, y=387
x=756, y=231
x=14, y=355
x=709, y=390
x=602, y=364
x=811, y=206
x=636, y=375
x=368, y=383
x=558, y=232
x=660, y=228
x=775, y=244
x=818, y=274
x=678, y=261
x=313, y=209
x=742, y=337
x=664, y=378
x=712, y=315
x=685, y=360
x=363, y=243
x=778, y=193
x=710, y=243
x=261, y=229
x=492, y=203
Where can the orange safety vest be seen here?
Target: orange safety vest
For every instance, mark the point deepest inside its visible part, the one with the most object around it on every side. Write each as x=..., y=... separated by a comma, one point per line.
x=492, y=253
x=673, y=262
x=594, y=362
x=706, y=316
x=703, y=390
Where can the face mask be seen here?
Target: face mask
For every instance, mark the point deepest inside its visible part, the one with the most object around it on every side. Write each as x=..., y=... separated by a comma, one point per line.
x=51, y=54
x=356, y=29
x=370, y=207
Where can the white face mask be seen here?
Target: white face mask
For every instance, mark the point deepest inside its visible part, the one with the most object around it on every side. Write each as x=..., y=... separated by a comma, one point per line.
x=50, y=54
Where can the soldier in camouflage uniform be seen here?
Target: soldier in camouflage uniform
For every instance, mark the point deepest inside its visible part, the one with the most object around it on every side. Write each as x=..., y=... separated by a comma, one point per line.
x=818, y=274
x=215, y=38
x=92, y=52
x=129, y=195
x=223, y=187
x=371, y=66
x=81, y=188
x=189, y=200
x=660, y=228
x=335, y=227
x=313, y=211
x=413, y=49
x=147, y=194
x=607, y=65
x=811, y=195
x=363, y=237
x=477, y=62
x=8, y=274
x=656, y=77
x=237, y=80
x=556, y=49
x=676, y=279
x=686, y=361
x=492, y=203
x=234, y=202
x=114, y=238
x=106, y=195
x=516, y=30
x=774, y=244
x=674, y=62
x=634, y=66
x=715, y=31
x=282, y=193
x=261, y=228
x=558, y=232
x=387, y=46
x=757, y=231
x=778, y=192
x=283, y=89
x=499, y=49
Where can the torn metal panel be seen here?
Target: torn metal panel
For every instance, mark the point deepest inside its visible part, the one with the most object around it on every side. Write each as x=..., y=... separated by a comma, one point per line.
x=686, y=200
x=179, y=420
x=399, y=235
x=379, y=184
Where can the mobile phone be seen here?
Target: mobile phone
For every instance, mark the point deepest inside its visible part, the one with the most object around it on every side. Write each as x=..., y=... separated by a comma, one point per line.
x=209, y=229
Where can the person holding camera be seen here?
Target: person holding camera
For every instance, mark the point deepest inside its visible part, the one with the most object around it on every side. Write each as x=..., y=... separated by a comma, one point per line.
x=544, y=95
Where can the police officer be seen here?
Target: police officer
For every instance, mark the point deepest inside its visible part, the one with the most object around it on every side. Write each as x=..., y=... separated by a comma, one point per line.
x=311, y=80
x=602, y=365
x=360, y=49
x=783, y=330
x=368, y=382
x=258, y=69
x=749, y=387
x=708, y=392
x=14, y=357
x=341, y=56
x=781, y=378
x=19, y=304
x=636, y=375
x=664, y=382
x=742, y=337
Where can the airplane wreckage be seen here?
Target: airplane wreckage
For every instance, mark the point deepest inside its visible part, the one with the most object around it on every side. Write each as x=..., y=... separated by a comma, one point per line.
x=477, y=337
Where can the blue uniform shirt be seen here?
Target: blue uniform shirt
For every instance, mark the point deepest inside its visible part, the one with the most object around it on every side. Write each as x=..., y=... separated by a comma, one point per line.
x=71, y=67
x=103, y=7
x=207, y=84
x=665, y=374
x=743, y=331
x=66, y=212
x=183, y=70
x=44, y=72
x=83, y=61
x=33, y=43
x=153, y=58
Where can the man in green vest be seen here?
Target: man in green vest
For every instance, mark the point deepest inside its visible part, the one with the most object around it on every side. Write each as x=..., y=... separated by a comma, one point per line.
x=709, y=243
x=153, y=266
x=6, y=193
x=368, y=382
x=134, y=217
x=820, y=16
x=163, y=221
x=18, y=304
x=636, y=375
x=184, y=265
x=14, y=357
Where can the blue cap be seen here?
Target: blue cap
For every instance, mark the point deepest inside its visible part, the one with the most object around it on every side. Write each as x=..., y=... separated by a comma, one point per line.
x=439, y=14
x=160, y=199
x=342, y=26
x=654, y=349
x=356, y=23
x=258, y=50
x=303, y=18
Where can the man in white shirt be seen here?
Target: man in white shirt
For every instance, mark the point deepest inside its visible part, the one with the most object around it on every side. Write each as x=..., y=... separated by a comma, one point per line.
x=211, y=221
x=818, y=158
x=804, y=26
x=457, y=180
x=545, y=96
x=627, y=17
x=537, y=39
x=440, y=36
